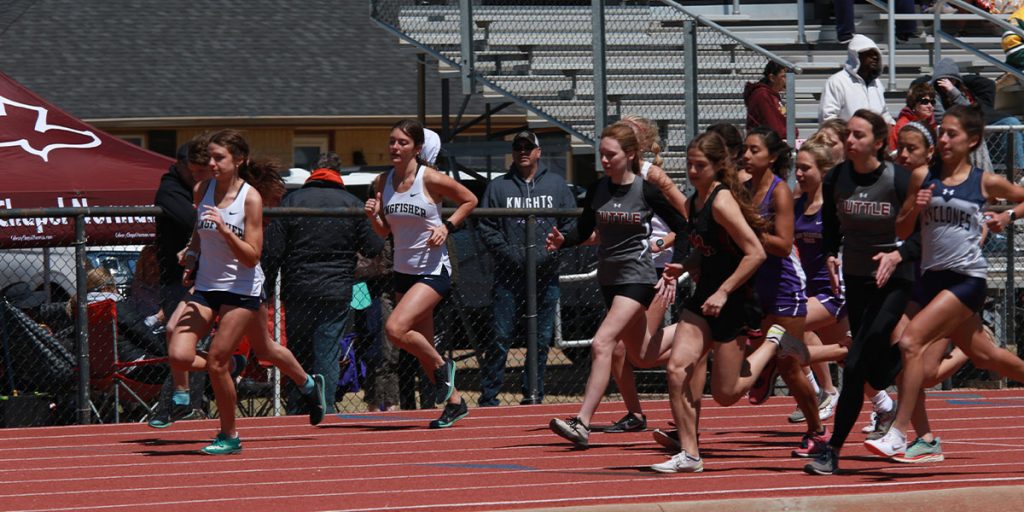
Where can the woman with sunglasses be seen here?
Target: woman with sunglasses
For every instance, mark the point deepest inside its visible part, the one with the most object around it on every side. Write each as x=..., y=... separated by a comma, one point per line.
x=920, y=109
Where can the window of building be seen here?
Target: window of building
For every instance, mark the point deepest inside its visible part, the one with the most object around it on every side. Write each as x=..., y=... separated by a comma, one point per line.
x=307, y=148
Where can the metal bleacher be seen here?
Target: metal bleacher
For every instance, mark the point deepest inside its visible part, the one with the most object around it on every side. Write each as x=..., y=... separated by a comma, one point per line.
x=541, y=57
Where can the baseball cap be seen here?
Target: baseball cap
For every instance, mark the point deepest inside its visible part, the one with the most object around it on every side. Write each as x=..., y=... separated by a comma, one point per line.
x=528, y=136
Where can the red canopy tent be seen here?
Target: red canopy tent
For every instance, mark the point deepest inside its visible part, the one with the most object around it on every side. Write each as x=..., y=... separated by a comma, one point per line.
x=50, y=159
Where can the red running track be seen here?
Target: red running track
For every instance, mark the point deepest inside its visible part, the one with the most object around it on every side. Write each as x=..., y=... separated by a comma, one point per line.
x=497, y=458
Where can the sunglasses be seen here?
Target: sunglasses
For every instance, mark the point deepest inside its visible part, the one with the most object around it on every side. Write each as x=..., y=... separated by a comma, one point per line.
x=926, y=101
x=522, y=148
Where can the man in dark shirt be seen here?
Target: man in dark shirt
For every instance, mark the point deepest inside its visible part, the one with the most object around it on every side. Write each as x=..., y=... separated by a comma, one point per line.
x=527, y=184
x=317, y=258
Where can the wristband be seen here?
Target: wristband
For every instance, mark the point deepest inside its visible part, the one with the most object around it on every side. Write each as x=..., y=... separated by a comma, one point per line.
x=1013, y=216
x=449, y=226
x=191, y=254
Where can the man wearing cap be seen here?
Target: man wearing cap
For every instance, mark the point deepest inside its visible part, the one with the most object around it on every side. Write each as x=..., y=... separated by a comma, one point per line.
x=856, y=86
x=527, y=184
x=317, y=259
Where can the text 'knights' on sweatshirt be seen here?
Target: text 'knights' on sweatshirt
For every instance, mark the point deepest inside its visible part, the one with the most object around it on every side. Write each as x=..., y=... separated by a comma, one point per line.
x=505, y=237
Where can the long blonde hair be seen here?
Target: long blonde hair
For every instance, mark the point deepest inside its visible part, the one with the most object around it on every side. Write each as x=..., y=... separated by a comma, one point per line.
x=647, y=135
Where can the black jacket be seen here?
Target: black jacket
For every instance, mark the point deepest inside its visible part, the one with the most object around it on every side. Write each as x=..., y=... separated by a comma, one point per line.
x=174, y=227
x=505, y=237
x=317, y=255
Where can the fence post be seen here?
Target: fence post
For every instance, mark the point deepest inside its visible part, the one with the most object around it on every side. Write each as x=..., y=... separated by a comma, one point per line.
x=466, y=37
x=82, y=322
x=1010, y=306
x=600, y=81
x=531, y=309
x=936, y=30
x=801, y=31
x=690, y=65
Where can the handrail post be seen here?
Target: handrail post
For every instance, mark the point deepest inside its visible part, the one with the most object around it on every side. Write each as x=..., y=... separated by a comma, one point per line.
x=801, y=35
x=690, y=31
x=936, y=32
x=791, y=119
x=466, y=37
x=81, y=322
x=891, y=35
x=735, y=6
x=600, y=83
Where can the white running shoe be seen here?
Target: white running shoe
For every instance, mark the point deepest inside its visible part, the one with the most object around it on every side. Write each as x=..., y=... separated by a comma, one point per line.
x=827, y=408
x=872, y=423
x=681, y=462
x=893, y=443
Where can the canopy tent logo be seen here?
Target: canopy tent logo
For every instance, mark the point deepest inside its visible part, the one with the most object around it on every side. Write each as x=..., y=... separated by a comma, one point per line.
x=18, y=120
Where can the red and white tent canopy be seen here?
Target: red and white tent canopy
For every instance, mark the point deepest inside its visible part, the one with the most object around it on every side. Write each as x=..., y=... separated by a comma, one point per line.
x=49, y=159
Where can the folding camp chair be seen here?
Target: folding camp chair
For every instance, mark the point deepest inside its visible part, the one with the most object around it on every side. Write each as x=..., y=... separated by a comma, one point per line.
x=106, y=371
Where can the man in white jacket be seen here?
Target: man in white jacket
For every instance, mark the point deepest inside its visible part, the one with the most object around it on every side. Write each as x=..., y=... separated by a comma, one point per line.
x=856, y=86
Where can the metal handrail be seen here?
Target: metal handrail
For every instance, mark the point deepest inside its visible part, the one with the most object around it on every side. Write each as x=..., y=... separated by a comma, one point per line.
x=479, y=78
x=939, y=35
x=754, y=47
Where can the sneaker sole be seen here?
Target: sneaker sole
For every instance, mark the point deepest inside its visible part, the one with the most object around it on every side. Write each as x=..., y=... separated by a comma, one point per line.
x=813, y=471
x=697, y=469
x=160, y=426
x=232, y=452
x=873, y=449
x=615, y=430
x=666, y=440
x=931, y=457
x=438, y=424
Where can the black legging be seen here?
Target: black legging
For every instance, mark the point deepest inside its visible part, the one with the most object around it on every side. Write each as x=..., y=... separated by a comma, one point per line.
x=873, y=358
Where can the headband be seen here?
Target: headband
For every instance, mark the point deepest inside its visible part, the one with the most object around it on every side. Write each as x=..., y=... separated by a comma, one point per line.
x=924, y=131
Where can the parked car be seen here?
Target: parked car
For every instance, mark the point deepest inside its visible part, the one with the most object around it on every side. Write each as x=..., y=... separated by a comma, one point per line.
x=53, y=268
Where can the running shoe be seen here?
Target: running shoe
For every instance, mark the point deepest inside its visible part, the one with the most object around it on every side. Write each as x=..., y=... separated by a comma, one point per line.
x=788, y=346
x=667, y=438
x=872, y=423
x=317, y=399
x=628, y=423
x=444, y=381
x=572, y=429
x=681, y=462
x=829, y=409
x=824, y=409
x=883, y=422
x=451, y=414
x=826, y=462
x=764, y=384
x=175, y=413
x=893, y=443
x=922, y=451
x=223, y=445
x=812, y=444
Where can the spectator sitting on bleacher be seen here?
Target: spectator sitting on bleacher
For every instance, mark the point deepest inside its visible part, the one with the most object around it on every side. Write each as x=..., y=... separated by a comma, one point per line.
x=920, y=107
x=856, y=86
x=956, y=89
x=1013, y=44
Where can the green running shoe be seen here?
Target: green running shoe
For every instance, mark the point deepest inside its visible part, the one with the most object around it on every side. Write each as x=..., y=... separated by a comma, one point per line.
x=224, y=445
x=922, y=451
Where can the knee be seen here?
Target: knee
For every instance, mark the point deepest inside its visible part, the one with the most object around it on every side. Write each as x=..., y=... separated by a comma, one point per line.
x=724, y=398
x=395, y=330
x=911, y=346
x=602, y=348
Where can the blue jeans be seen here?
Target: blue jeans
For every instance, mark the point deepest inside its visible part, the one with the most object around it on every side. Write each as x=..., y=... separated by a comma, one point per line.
x=509, y=310
x=999, y=151
x=314, y=329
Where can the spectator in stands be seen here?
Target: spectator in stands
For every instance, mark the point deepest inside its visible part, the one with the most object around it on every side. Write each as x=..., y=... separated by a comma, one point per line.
x=955, y=89
x=905, y=29
x=856, y=86
x=317, y=257
x=1013, y=44
x=527, y=184
x=920, y=108
x=763, y=100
